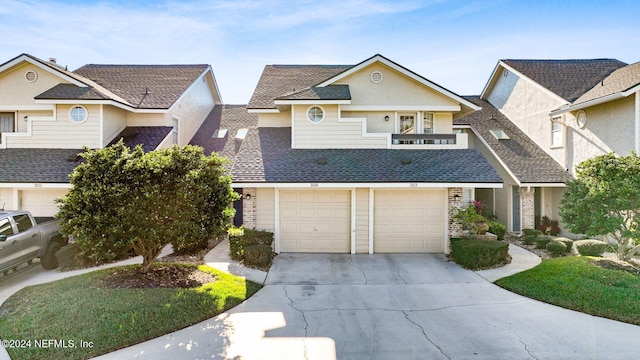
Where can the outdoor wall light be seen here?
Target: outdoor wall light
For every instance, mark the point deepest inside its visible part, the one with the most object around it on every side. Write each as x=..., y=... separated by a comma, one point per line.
x=26, y=118
x=386, y=118
x=247, y=197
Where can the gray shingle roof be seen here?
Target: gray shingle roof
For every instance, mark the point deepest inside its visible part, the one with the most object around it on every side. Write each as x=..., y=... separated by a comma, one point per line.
x=330, y=92
x=620, y=80
x=266, y=156
x=568, y=79
x=37, y=165
x=526, y=160
x=147, y=136
x=280, y=80
x=230, y=117
x=144, y=86
x=70, y=91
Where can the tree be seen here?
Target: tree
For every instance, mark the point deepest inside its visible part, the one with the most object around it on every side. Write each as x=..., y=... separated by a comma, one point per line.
x=124, y=199
x=605, y=200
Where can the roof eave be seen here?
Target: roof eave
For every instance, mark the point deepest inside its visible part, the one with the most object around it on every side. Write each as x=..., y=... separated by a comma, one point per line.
x=311, y=102
x=589, y=103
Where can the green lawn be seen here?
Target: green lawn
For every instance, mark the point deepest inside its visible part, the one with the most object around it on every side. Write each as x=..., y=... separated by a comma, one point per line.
x=81, y=309
x=574, y=282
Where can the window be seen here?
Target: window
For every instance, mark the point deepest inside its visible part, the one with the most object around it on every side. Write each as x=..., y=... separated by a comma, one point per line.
x=557, y=132
x=23, y=222
x=78, y=114
x=7, y=123
x=581, y=119
x=175, y=131
x=427, y=123
x=407, y=124
x=5, y=227
x=315, y=114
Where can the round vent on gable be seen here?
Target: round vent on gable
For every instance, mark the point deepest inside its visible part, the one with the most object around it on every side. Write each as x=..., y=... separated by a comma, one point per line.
x=31, y=76
x=376, y=77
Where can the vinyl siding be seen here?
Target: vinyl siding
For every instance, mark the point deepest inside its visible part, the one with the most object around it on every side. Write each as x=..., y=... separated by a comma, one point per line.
x=148, y=119
x=329, y=133
x=192, y=108
x=114, y=121
x=62, y=133
x=6, y=198
x=265, y=209
x=23, y=92
x=395, y=89
x=362, y=221
x=274, y=119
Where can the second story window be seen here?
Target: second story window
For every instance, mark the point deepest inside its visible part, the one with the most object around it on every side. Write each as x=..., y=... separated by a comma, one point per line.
x=427, y=123
x=557, y=132
x=315, y=114
x=78, y=114
x=7, y=123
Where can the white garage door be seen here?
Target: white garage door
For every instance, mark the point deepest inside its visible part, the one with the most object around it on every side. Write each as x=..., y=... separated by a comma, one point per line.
x=41, y=202
x=407, y=221
x=315, y=221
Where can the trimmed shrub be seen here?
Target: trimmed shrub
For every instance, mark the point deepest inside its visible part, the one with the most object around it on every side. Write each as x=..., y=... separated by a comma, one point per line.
x=556, y=248
x=479, y=254
x=258, y=255
x=541, y=241
x=529, y=239
x=498, y=229
x=567, y=242
x=590, y=247
x=241, y=238
x=535, y=232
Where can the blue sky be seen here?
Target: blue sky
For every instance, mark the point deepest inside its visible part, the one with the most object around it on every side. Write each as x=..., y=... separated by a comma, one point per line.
x=453, y=43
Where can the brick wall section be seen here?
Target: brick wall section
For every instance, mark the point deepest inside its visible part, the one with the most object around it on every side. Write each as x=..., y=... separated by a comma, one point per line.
x=249, y=208
x=527, y=202
x=455, y=229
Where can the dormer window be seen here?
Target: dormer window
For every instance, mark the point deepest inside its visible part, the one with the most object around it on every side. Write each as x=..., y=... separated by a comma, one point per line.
x=315, y=114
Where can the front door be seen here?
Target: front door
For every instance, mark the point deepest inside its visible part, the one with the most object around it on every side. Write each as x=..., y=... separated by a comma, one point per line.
x=407, y=125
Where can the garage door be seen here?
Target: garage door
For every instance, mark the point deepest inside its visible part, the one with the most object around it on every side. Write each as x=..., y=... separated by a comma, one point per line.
x=41, y=202
x=315, y=221
x=407, y=221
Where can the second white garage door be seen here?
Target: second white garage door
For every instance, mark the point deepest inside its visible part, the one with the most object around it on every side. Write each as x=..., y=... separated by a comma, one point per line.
x=407, y=221
x=315, y=221
x=41, y=202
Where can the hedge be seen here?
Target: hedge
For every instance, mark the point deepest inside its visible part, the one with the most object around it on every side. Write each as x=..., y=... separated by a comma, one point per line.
x=590, y=247
x=240, y=239
x=479, y=254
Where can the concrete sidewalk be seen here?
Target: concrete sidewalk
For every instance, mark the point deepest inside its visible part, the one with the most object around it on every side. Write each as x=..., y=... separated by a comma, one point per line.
x=218, y=258
x=521, y=260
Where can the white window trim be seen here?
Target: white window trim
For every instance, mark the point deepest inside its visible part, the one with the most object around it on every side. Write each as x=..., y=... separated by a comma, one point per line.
x=86, y=114
x=324, y=114
x=557, y=120
x=175, y=131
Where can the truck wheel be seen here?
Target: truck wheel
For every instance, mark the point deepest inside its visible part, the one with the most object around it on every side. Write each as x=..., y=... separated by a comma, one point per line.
x=49, y=261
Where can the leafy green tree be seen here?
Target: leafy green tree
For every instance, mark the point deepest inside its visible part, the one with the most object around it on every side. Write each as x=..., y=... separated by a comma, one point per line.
x=124, y=199
x=605, y=200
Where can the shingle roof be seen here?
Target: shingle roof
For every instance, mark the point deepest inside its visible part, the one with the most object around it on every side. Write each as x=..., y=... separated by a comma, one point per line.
x=619, y=81
x=280, y=80
x=330, y=92
x=266, y=156
x=526, y=160
x=147, y=136
x=71, y=91
x=568, y=79
x=37, y=165
x=230, y=117
x=144, y=86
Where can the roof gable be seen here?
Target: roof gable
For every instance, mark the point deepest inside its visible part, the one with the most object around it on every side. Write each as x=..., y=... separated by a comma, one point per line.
x=145, y=86
x=567, y=79
x=401, y=70
x=619, y=81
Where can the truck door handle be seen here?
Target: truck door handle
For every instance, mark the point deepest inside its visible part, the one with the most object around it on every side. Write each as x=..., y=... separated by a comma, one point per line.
x=14, y=241
x=34, y=235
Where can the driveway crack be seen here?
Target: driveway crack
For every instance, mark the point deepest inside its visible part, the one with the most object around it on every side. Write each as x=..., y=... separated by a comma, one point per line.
x=304, y=317
x=424, y=333
x=400, y=276
x=526, y=348
x=364, y=275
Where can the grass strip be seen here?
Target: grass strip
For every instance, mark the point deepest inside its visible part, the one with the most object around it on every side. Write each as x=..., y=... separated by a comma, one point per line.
x=79, y=311
x=576, y=283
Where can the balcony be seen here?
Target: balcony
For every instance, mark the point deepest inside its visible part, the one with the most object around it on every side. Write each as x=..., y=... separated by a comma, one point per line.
x=429, y=141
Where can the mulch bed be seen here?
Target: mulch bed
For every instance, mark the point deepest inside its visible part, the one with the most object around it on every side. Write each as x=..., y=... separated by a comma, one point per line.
x=159, y=276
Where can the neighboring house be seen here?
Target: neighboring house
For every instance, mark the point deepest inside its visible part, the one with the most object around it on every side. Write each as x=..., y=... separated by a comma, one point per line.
x=48, y=114
x=533, y=125
x=357, y=159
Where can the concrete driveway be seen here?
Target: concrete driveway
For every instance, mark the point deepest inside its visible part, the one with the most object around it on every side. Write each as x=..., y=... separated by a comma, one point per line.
x=390, y=307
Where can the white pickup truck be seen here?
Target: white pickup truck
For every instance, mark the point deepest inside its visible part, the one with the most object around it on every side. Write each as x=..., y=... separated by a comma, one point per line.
x=24, y=238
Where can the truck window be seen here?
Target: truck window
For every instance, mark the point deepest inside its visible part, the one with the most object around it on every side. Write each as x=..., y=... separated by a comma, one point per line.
x=5, y=227
x=23, y=221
